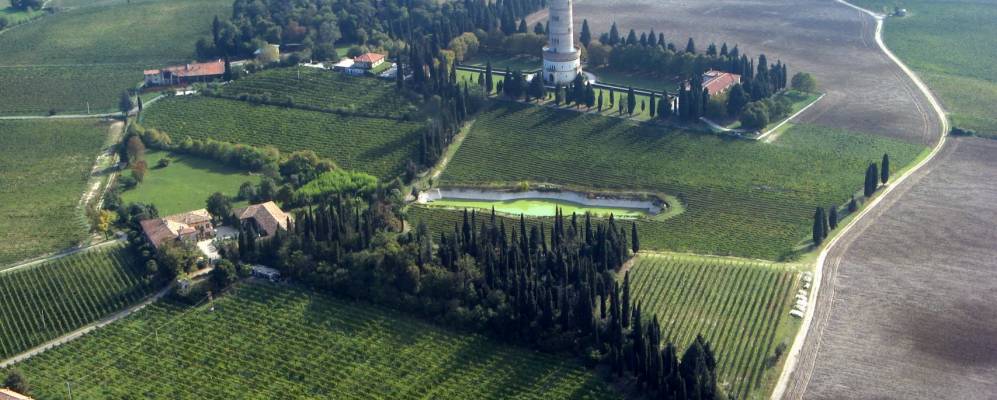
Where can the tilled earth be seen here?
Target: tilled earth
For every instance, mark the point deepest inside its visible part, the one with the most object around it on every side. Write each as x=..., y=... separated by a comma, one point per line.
x=908, y=308
x=866, y=92
x=912, y=305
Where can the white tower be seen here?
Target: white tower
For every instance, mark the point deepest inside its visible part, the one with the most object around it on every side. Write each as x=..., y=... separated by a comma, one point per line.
x=562, y=61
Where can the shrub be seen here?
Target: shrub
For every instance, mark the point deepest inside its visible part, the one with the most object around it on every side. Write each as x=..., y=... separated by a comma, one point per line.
x=755, y=116
x=804, y=82
x=163, y=162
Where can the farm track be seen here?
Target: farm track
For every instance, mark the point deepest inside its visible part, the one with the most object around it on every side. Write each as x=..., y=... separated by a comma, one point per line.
x=802, y=363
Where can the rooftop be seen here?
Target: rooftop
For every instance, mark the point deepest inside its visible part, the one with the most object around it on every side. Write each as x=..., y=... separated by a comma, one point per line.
x=267, y=215
x=369, y=57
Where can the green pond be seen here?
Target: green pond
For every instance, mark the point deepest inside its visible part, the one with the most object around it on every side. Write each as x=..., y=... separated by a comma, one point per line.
x=538, y=207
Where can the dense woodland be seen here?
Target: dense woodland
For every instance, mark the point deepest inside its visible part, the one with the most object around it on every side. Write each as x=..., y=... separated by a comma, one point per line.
x=318, y=25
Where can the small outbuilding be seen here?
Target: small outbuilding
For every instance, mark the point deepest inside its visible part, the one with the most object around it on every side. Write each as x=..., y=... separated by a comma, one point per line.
x=264, y=272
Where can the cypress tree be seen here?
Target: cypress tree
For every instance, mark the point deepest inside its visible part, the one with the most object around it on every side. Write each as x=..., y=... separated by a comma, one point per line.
x=586, y=35
x=818, y=227
x=832, y=217
x=824, y=222
x=653, y=106
x=853, y=206
x=635, y=242
x=489, y=82
x=871, y=180
x=625, y=303
x=884, y=172
x=631, y=101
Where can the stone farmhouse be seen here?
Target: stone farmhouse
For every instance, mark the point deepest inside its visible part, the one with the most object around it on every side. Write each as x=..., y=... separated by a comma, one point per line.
x=189, y=226
x=265, y=218
x=185, y=74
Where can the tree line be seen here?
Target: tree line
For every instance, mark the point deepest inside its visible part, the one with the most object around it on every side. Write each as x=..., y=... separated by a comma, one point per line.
x=825, y=222
x=551, y=287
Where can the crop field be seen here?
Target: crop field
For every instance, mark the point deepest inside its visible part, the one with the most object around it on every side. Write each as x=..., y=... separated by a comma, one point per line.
x=377, y=146
x=740, y=307
x=42, y=302
x=950, y=44
x=277, y=341
x=742, y=198
x=186, y=183
x=93, y=53
x=44, y=166
x=324, y=89
x=866, y=91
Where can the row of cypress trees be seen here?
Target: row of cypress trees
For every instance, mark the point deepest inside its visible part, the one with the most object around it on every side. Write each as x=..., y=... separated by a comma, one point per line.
x=824, y=223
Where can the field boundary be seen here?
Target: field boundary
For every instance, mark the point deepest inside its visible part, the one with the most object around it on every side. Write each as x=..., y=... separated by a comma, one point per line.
x=57, y=255
x=85, y=329
x=785, y=121
x=795, y=352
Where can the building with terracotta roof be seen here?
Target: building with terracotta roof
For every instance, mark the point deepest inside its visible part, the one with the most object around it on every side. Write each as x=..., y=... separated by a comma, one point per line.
x=184, y=74
x=368, y=61
x=189, y=226
x=265, y=218
x=717, y=82
x=7, y=394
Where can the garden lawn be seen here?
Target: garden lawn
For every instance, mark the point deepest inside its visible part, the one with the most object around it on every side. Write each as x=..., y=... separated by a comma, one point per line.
x=950, y=44
x=44, y=167
x=312, y=87
x=742, y=198
x=186, y=183
x=278, y=341
x=378, y=146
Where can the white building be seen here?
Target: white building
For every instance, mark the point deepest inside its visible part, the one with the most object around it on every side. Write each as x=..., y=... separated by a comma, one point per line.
x=562, y=60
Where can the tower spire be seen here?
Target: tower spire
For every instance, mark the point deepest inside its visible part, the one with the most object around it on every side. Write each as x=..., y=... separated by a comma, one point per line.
x=562, y=60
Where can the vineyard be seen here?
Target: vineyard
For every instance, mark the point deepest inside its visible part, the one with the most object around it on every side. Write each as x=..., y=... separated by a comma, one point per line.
x=742, y=198
x=323, y=89
x=37, y=90
x=43, y=302
x=276, y=341
x=91, y=54
x=740, y=307
x=44, y=166
x=377, y=146
x=142, y=32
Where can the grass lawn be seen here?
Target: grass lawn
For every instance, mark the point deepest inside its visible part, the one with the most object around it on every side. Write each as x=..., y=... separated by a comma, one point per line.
x=500, y=63
x=741, y=198
x=378, y=146
x=740, y=307
x=609, y=109
x=279, y=341
x=634, y=79
x=950, y=44
x=186, y=183
x=44, y=167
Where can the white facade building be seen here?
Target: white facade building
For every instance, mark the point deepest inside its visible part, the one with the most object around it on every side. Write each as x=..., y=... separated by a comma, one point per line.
x=562, y=60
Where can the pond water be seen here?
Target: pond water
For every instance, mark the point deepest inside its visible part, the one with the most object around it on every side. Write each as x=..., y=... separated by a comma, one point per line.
x=539, y=203
x=539, y=207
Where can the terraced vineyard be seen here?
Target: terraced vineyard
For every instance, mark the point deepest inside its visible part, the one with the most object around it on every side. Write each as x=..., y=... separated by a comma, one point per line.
x=378, y=146
x=44, y=166
x=742, y=198
x=42, y=302
x=740, y=307
x=312, y=87
x=270, y=341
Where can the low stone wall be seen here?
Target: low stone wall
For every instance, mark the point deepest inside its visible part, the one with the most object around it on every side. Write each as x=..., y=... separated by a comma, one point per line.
x=574, y=197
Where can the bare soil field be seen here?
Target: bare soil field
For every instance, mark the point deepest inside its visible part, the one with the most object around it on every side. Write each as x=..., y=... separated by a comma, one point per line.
x=907, y=310
x=865, y=91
